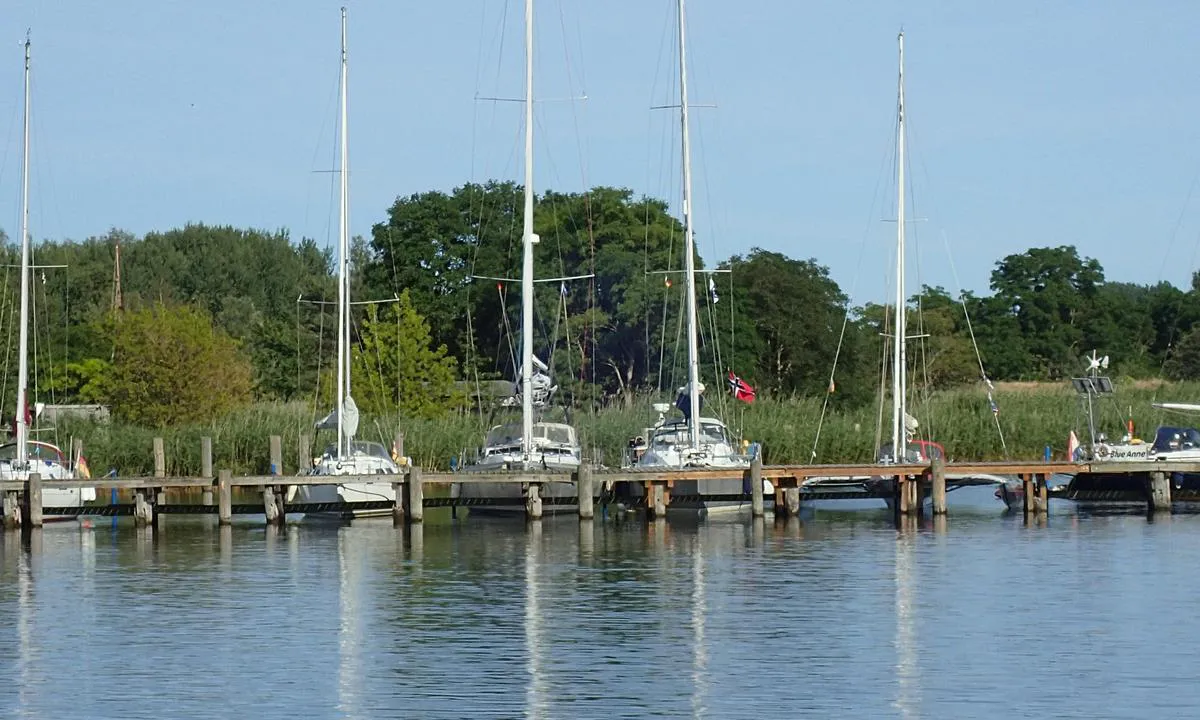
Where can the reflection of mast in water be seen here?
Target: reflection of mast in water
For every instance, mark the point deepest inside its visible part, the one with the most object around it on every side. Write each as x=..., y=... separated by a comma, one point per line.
x=350, y=640
x=699, y=649
x=907, y=672
x=26, y=645
x=535, y=694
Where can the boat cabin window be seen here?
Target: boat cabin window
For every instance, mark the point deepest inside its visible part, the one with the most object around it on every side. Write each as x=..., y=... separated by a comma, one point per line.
x=511, y=434
x=711, y=433
x=37, y=451
x=360, y=447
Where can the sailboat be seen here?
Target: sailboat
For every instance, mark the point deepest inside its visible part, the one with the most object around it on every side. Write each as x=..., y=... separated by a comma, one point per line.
x=692, y=440
x=348, y=456
x=904, y=447
x=24, y=456
x=534, y=444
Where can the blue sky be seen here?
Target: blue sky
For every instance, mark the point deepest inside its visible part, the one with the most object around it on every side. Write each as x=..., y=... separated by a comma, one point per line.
x=1033, y=123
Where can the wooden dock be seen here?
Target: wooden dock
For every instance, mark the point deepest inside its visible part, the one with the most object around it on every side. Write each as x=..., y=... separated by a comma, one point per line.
x=904, y=486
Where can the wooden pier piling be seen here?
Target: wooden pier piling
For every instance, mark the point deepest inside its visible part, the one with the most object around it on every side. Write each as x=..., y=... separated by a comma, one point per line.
x=31, y=510
x=656, y=500
x=583, y=485
x=12, y=511
x=160, y=470
x=273, y=505
x=1160, y=492
x=143, y=511
x=1029, y=502
x=756, y=486
x=1044, y=494
x=533, y=501
x=938, y=491
x=304, y=459
x=206, y=468
x=225, y=498
x=414, y=497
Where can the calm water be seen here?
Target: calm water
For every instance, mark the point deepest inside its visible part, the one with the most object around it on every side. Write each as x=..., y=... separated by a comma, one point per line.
x=839, y=615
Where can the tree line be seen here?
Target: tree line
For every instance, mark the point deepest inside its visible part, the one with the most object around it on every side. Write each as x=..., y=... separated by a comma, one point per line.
x=207, y=317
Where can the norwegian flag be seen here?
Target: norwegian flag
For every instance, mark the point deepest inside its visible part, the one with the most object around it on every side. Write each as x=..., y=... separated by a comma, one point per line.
x=740, y=388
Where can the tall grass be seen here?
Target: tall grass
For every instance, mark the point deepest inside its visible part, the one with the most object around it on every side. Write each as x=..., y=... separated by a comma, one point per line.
x=961, y=420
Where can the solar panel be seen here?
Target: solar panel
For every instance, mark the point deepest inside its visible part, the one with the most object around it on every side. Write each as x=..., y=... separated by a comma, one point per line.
x=1093, y=385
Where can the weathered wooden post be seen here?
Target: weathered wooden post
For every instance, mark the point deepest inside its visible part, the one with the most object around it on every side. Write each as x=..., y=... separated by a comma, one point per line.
x=303, y=453
x=1044, y=495
x=12, y=510
x=780, y=506
x=276, y=455
x=583, y=484
x=902, y=495
x=1160, y=492
x=160, y=470
x=225, y=497
x=756, y=486
x=31, y=512
x=273, y=495
x=656, y=501
x=533, y=501
x=398, y=504
x=206, y=469
x=937, y=472
x=273, y=505
x=143, y=512
x=1030, y=493
x=414, y=510
x=791, y=498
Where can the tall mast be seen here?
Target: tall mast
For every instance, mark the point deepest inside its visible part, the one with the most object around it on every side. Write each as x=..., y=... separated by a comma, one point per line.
x=528, y=240
x=23, y=349
x=899, y=437
x=689, y=245
x=343, y=366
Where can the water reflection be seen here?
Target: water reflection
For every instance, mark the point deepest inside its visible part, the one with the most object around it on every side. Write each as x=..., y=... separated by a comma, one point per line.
x=535, y=695
x=699, y=649
x=908, y=699
x=350, y=610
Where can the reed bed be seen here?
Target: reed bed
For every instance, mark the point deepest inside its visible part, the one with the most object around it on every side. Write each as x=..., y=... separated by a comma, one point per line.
x=1030, y=418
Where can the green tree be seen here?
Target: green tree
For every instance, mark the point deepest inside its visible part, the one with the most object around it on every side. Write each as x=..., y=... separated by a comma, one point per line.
x=1051, y=292
x=394, y=367
x=172, y=366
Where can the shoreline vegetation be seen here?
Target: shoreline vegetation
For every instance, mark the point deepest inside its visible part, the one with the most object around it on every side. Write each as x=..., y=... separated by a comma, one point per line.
x=1031, y=415
x=230, y=333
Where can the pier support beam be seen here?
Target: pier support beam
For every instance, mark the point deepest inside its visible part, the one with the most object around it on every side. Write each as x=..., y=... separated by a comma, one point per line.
x=656, y=499
x=902, y=496
x=160, y=469
x=1030, y=493
x=1044, y=494
x=276, y=444
x=414, y=497
x=143, y=511
x=225, y=497
x=273, y=505
x=756, y=486
x=31, y=506
x=937, y=472
x=12, y=511
x=304, y=461
x=1160, y=492
x=583, y=485
x=533, y=501
x=398, y=505
x=206, y=468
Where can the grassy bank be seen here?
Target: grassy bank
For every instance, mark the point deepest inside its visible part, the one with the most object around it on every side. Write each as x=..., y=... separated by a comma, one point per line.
x=1030, y=418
